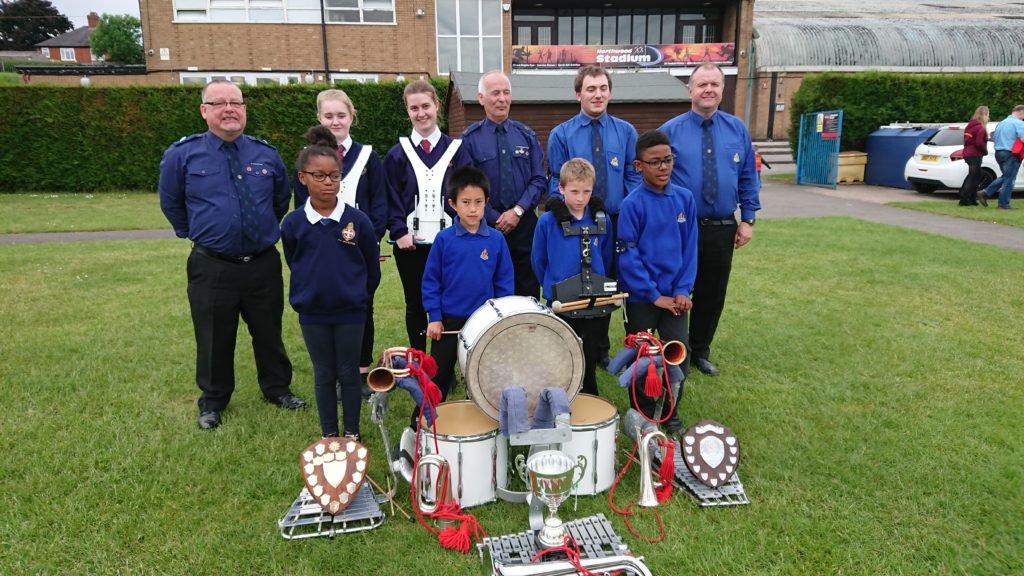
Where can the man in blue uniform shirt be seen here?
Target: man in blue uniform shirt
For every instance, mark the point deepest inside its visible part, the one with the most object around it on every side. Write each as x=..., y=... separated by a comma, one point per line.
x=509, y=153
x=227, y=193
x=715, y=160
x=603, y=140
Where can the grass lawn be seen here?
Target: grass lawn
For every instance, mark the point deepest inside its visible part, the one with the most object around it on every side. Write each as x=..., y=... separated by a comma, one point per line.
x=8, y=78
x=80, y=212
x=951, y=208
x=872, y=374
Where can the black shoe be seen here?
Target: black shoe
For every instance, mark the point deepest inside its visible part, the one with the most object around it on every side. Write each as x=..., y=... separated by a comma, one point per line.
x=288, y=401
x=982, y=198
x=604, y=362
x=705, y=366
x=364, y=388
x=1005, y=207
x=209, y=420
x=354, y=436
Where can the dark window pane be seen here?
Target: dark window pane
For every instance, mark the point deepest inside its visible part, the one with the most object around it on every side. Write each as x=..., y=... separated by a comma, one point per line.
x=639, y=27
x=608, y=36
x=668, y=29
x=654, y=29
x=625, y=28
x=579, y=27
x=594, y=27
x=564, y=29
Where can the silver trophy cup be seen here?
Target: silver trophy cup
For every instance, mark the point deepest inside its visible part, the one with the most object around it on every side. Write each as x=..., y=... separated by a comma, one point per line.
x=551, y=475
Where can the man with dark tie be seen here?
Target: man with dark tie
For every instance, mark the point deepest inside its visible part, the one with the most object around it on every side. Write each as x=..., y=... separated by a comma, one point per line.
x=509, y=153
x=607, y=142
x=227, y=193
x=715, y=161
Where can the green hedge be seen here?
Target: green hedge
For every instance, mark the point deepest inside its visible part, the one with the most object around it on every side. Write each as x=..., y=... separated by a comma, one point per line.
x=112, y=138
x=871, y=99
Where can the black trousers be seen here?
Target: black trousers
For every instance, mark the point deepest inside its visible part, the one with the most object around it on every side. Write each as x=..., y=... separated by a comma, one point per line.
x=334, y=352
x=446, y=353
x=218, y=293
x=715, y=245
x=590, y=330
x=520, y=244
x=411, y=264
x=642, y=316
x=366, y=358
x=969, y=189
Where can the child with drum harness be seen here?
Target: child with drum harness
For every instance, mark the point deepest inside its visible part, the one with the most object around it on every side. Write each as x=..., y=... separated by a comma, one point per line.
x=572, y=251
x=657, y=251
x=469, y=264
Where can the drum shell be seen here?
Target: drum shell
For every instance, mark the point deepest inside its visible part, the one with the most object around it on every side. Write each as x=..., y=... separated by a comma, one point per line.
x=594, y=435
x=467, y=439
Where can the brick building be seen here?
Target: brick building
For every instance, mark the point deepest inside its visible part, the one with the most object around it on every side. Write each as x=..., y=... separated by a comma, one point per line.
x=71, y=46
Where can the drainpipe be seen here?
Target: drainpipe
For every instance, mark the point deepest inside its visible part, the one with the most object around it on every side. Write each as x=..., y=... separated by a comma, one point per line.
x=323, y=35
x=750, y=76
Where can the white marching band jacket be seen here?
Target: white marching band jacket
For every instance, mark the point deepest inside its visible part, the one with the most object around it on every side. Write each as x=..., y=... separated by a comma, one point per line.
x=350, y=182
x=429, y=217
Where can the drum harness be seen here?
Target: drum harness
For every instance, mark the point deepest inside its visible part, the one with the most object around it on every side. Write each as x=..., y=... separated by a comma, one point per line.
x=430, y=181
x=585, y=285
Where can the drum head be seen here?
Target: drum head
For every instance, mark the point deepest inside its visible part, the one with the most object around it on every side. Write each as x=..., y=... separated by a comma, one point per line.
x=589, y=409
x=531, y=350
x=461, y=418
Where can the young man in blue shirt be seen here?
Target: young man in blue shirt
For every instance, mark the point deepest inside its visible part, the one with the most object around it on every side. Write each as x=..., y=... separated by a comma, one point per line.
x=468, y=265
x=658, y=253
x=1006, y=133
x=511, y=157
x=715, y=160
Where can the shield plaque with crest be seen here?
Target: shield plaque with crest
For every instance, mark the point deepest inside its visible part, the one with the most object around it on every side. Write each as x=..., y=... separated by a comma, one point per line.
x=334, y=470
x=711, y=452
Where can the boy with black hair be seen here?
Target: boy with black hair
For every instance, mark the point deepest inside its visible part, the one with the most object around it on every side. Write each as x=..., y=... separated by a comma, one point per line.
x=469, y=264
x=657, y=246
x=573, y=241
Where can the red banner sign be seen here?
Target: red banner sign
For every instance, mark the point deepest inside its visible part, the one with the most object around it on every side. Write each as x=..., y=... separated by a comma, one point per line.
x=622, y=56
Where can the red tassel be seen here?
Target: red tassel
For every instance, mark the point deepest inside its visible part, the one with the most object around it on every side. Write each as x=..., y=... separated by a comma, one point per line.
x=652, y=384
x=429, y=366
x=666, y=473
x=453, y=539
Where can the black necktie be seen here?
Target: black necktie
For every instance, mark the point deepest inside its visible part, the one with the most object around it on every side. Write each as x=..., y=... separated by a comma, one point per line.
x=246, y=203
x=600, y=164
x=507, y=196
x=710, y=189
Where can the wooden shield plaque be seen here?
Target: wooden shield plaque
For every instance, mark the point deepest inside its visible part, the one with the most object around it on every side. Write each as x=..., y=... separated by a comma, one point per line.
x=711, y=452
x=334, y=469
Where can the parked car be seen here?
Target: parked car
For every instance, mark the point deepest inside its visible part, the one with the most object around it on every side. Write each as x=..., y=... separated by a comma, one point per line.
x=938, y=163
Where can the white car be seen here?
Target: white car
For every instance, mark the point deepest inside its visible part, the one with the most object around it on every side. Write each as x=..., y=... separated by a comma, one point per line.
x=938, y=162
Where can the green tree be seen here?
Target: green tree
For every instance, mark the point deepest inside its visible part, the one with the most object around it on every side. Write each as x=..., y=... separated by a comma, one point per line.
x=25, y=23
x=118, y=39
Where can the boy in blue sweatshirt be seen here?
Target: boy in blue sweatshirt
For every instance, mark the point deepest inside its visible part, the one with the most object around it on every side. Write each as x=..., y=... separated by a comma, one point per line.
x=468, y=264
x=333, y=255
x=558, y=253
x=657, y=252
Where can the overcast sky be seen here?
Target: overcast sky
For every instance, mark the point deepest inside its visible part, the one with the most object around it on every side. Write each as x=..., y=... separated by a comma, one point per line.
x=76, y=10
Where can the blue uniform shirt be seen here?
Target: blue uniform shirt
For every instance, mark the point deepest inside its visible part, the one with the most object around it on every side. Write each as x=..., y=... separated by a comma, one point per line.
x=464, y=270
x=371, y=195
x=556, y=257
x=200, y=201
x=572, y=139
x=659, y=233
x=738, y=183
x=1007, y=132
x=481, y=141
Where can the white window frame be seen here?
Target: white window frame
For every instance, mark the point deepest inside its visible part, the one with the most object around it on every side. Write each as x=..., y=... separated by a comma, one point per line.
x=196, y=11
x=458, y=36
x=64, y=52
x=284, y=78
x=45, y=52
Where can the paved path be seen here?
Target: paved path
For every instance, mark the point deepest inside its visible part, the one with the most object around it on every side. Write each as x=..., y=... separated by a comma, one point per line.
x=779, y=200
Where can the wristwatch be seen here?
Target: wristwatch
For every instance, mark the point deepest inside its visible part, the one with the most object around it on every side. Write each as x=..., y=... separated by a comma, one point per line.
x=519, y=211
x=749, y=221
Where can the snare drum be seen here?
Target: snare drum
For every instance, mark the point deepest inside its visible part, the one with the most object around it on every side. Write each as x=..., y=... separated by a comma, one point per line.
x=516, y=341
x=467, y=439
x=594, y=430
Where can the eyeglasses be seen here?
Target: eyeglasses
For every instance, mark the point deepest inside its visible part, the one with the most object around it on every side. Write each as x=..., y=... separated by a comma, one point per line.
x=667, y=161
x=320, y=176
x=225, y=103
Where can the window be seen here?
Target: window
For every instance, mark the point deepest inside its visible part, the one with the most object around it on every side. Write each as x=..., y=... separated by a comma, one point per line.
x=582, y=26
x=287, y=11
x=67, y=54
x=45, y=52
x=267, y=78
x=468, y=35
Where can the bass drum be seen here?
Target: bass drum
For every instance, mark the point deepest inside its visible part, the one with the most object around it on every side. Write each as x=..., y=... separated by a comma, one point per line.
x=516, y=341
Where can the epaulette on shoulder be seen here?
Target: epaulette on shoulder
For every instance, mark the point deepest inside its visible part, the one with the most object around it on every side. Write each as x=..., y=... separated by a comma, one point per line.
x=187, y=139
x=472, y=128
x=261, y=141
x=522, y=127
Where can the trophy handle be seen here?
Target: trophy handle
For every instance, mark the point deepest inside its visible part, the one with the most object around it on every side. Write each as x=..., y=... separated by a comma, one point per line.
x=581, y=465
x=520, y=466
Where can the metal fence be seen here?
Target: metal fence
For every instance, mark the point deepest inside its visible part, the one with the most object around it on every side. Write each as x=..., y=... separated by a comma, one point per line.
x=817, y=158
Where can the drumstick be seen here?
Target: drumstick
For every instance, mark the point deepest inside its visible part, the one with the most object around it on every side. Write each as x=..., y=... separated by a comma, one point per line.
x=391, y=499
x=559, y=307
x=424, y=333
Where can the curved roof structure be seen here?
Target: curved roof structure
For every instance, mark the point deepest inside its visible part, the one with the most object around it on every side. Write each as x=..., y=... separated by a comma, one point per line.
x=895, y=35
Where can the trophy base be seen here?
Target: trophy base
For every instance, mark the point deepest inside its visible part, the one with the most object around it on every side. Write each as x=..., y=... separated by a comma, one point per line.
x=552, y=534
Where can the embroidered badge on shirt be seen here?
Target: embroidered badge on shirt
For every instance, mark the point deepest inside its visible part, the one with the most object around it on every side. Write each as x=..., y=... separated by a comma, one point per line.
x=615, y=161
x=523, y=151
x=483, y=255
x=736, y=157
x=681, y=218
x=349, y=233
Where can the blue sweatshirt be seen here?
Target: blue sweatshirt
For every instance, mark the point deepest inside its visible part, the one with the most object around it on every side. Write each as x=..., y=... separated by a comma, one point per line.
x=402, y=187
x=371, y=195
x=464, y=270
x=659, y=233
x=556, y=256
x=335, y=267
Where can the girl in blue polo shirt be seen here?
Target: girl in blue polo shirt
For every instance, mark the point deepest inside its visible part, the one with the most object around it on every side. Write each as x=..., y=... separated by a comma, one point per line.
x=333, y=255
